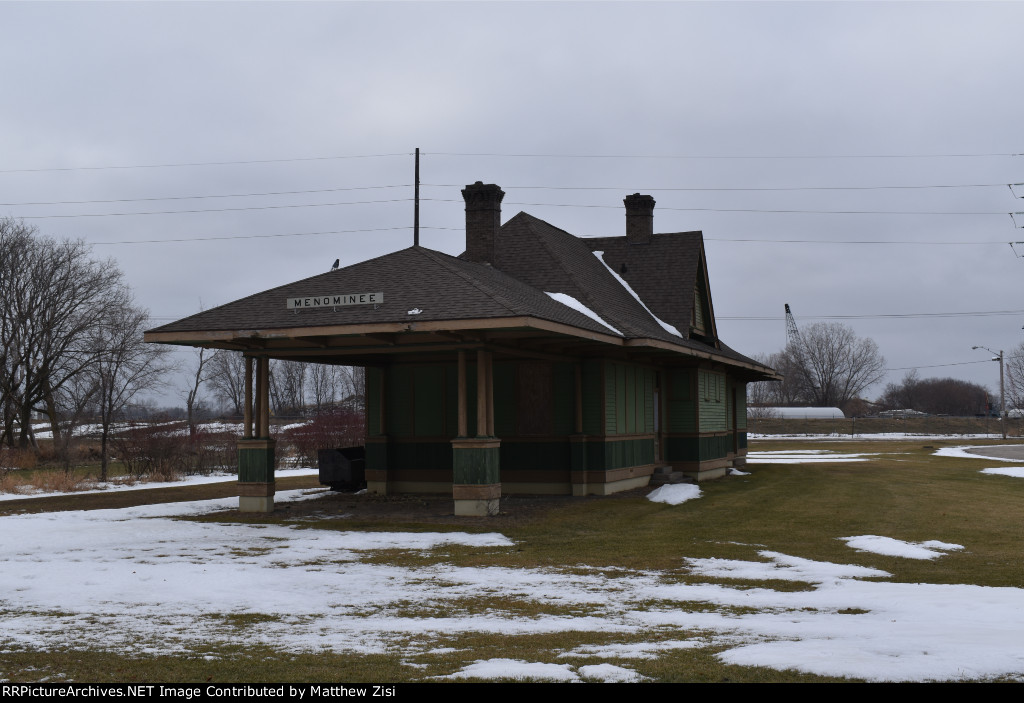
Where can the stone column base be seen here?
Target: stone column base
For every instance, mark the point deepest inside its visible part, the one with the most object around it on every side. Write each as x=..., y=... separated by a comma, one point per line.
x=477, y=500
x=256, y=497
x=255, y=504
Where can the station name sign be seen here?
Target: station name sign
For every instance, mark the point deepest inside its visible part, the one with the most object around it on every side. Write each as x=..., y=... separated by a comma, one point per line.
x=330, y=301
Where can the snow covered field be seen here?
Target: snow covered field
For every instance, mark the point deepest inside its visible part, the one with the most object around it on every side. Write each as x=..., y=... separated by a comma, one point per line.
x=137, y=580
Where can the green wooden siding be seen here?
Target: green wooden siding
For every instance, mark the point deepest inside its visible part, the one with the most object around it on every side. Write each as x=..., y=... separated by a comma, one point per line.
x=711, y=397
x=629, y=399
x=374, y=383
x=505, y=405
x=592, y=373
x=565, y=399
x=741, y=405
x=606, y=456
x=681, y=405
x=428, y=401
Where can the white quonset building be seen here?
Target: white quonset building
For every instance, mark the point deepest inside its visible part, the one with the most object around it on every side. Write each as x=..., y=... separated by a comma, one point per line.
x=806, y=413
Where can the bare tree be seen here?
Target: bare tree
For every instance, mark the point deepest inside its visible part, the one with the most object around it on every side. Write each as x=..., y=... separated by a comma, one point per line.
x=197, y=374
x=324, y=382
x=936, y=396
x=227, y=379
x=125, y=367
x=1014, y=361
x=52, y=294
x=832, y=366
x=288, y=387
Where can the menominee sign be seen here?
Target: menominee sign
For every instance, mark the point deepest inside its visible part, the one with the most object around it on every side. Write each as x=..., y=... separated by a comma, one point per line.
x=328, y=301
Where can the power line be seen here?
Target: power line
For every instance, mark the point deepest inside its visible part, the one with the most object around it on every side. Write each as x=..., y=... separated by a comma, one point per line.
x=935, y=366
x=201, y=197
x=514, y=187
x=201, y=163
x=852, y=241
x=976, y=313
x=756, y=210
x=225, y=209
x=741, y=189
x=299, y=159
x=713, y=156
x=261, y=236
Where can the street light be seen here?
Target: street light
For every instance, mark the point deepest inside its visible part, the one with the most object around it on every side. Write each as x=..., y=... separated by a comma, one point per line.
x=1002, y=391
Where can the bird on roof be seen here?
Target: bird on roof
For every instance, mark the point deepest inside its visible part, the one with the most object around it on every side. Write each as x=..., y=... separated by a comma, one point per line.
x=336, y=263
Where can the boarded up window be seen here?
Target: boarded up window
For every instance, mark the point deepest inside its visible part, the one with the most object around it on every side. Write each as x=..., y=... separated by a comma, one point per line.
x=535, y=399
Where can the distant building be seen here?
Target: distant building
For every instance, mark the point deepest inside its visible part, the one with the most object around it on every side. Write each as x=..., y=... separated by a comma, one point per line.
x=804, y=413
x=535, y=362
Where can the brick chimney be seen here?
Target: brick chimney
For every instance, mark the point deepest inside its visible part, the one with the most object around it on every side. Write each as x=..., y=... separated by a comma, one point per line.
x=639, y=218
x=483, y=219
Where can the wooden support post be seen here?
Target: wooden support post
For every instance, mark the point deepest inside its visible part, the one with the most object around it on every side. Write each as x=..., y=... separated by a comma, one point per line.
x=264, y=376
x=476, y=476
x=490, y=394
x=256, y=453
x=247, y=412
x=579, y=400
x=463, y=421
x=481, y=393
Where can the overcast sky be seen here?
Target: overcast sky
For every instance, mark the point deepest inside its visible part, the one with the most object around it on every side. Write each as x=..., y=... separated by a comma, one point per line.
x=569, y=107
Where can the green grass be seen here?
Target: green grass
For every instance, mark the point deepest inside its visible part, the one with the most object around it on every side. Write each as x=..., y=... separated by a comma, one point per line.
x=798, y=509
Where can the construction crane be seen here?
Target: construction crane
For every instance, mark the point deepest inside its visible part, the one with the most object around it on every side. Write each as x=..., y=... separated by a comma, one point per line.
x=792, y=333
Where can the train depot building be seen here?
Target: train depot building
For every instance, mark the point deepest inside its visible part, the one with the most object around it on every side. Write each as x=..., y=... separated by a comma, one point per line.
x=535, y=362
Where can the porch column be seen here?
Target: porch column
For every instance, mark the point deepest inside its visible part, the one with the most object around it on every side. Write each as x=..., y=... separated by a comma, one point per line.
x=476, y=483
x=247, y=412
x=256, y=453
x=578, y=441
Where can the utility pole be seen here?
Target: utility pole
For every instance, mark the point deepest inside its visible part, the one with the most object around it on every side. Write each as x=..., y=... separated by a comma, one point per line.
x=416, y=204
x=1002, y=387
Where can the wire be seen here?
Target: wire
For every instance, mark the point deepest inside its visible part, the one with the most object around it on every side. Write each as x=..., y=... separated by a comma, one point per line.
x=201, y=163
x=757, y=210
x=261, y=236
x=848, y=241
x=200, y=197
x=758, y=189
x=695, y=156
x=981, y=313
x=935, y=366
x=226, y=209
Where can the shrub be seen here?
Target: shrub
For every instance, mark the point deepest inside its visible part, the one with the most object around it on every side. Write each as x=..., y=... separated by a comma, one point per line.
x=332, y=429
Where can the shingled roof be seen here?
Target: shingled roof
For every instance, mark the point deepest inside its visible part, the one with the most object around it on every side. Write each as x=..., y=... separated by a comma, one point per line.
x=531, y=275
x=438, y=286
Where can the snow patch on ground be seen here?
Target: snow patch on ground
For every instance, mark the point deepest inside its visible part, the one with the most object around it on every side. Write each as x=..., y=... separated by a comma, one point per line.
x=782, y=567
x=803, y=456
x=137, y=580
x=962, y=453
x=1014, y=471
x=898, y=548
x=117, y=487
x=609, y=673
x=633, y=650
x=674, y=493
x=515, y=669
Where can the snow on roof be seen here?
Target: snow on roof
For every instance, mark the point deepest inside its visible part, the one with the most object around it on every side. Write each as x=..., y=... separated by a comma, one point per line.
x=664, y=325
x=576, y=305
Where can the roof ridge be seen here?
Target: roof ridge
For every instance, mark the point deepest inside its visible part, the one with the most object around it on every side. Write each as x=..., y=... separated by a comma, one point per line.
x=583, y=289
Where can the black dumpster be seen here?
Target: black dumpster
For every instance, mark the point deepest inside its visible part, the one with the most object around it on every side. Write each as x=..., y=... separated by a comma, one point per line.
x=343, y=469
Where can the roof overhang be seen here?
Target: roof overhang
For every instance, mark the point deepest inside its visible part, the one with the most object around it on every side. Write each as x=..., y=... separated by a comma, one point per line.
x=523, y=336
